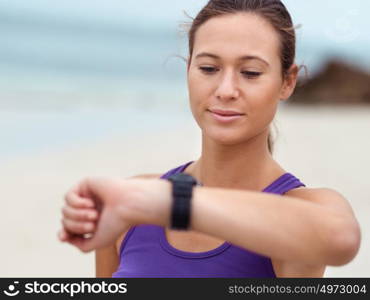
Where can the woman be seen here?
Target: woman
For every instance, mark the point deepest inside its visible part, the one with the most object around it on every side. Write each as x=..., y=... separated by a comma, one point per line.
x=250, y=218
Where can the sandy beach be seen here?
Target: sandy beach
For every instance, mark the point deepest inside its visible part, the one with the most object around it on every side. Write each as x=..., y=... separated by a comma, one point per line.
x=324, y=147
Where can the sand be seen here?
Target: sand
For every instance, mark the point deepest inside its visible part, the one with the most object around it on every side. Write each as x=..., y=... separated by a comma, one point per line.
x=324, y=147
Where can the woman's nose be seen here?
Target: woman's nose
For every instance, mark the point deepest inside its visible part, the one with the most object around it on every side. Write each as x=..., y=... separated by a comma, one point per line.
x=227, y=88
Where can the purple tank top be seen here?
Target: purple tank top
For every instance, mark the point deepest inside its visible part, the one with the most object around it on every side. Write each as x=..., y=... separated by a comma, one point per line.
x=145, y=251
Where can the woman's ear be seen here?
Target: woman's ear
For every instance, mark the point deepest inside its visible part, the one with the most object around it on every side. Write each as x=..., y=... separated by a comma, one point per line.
x=289, y=83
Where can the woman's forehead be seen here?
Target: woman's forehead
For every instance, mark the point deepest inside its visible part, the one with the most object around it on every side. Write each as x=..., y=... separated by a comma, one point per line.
x=236, y=35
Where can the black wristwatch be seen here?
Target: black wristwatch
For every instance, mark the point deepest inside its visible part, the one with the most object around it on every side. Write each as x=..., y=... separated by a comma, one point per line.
x=182, y=191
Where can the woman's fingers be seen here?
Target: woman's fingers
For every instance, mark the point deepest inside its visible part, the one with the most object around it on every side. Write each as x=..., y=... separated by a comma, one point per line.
x=76, y=227
x=83, y=243
x=72, y=199
x=79, y=217
x=79, y=241
x=63, y=235
x=81, y=214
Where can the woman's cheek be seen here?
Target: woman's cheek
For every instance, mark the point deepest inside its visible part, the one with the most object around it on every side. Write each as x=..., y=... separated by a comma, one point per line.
x=195, y=107
x=198, y=101
x=262, y=111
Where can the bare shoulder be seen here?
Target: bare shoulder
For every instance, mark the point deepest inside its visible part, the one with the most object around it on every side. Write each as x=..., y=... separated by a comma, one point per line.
x=145, y=176
x=324, y=196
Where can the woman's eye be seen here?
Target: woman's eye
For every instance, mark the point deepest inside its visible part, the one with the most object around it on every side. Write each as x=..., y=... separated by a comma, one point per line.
x=208, y=70
x=251, y=74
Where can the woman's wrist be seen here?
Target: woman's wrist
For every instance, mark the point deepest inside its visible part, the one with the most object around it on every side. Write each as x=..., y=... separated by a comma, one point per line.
x=148, y=202
x=159, y=200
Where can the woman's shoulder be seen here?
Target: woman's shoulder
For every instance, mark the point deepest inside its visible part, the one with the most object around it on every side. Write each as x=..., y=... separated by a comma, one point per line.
x=145, y=176
x=323, y=196
x=314, y=193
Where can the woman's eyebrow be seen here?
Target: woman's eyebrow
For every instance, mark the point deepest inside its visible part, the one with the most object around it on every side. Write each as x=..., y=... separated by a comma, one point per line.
x=245, y=57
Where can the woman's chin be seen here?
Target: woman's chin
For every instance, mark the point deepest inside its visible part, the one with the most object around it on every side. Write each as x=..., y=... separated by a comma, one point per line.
x=224, y=138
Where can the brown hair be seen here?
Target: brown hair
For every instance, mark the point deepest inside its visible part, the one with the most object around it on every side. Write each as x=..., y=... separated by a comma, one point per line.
x=273, y=11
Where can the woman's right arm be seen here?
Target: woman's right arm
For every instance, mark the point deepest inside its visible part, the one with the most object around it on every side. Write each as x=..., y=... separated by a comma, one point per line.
x=107, y=259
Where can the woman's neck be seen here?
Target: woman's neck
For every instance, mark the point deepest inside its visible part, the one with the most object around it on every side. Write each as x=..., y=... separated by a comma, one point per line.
x=244, y=166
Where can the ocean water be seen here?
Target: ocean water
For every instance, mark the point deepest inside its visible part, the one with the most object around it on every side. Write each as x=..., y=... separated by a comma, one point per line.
x=27, y=133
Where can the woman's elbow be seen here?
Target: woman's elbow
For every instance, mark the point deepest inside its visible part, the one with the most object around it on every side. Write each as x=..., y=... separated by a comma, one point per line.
x=345, y=244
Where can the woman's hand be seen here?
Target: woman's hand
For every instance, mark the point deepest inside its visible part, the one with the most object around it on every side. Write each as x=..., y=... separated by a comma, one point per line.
x=98, y=210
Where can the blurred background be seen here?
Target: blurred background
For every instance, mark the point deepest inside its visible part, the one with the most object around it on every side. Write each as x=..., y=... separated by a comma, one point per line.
x=99, y=88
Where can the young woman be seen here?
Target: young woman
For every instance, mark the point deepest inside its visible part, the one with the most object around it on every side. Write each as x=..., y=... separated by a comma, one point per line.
x=248, y=217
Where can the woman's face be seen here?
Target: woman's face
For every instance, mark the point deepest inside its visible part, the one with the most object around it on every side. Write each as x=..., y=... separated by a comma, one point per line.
x=235, y=70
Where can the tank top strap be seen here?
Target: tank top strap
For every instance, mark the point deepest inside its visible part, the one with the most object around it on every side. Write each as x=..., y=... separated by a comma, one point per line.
x=284, y=184
x=176, y=170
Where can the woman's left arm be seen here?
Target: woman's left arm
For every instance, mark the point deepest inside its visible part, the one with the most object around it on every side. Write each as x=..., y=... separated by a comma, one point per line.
x=316, y=226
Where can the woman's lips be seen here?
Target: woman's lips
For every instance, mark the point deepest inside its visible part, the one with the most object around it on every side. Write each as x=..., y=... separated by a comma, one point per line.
x=223, y=118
